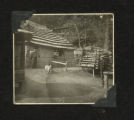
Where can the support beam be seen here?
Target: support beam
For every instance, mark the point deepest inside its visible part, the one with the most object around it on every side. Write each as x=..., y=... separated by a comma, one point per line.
x=62, y=63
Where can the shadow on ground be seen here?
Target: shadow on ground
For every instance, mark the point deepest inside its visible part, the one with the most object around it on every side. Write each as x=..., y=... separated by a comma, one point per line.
x=59, y=87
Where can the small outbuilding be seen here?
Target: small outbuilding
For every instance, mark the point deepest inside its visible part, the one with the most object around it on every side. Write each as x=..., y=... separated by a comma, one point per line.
x=46, y=46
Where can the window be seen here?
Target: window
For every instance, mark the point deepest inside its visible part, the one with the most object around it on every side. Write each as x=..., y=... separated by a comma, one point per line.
x=58, y=53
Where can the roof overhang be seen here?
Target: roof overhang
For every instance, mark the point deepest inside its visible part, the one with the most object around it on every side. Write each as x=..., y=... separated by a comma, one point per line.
x=24, y=31
x=54, y=46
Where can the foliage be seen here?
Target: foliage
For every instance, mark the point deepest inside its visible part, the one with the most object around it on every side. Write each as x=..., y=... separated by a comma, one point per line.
x=92, y=29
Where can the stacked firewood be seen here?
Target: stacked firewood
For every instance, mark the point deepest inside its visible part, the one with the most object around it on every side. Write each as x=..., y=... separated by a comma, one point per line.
x=97, y=59
x=88, y=60
x=92, y=58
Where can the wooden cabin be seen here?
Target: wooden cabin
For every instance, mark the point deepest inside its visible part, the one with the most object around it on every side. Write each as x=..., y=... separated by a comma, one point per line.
x=49, y=45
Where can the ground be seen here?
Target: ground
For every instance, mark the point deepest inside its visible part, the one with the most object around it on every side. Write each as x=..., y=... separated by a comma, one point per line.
x=60, y=87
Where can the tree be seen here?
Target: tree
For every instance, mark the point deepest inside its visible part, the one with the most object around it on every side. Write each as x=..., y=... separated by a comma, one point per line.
x=81, y=30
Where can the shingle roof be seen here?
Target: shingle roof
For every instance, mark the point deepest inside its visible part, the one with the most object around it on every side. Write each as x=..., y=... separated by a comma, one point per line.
x=44, y=36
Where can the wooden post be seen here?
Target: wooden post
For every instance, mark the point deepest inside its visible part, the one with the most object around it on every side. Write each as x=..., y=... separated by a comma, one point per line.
x=105, y=81
x=66, y=66
x=101, y=72
x=93, y=72
x=106, y=78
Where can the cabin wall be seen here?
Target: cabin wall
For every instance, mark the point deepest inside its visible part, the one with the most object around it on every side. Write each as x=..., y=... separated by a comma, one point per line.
x=19, y=51
x=44, y=57
x=19, y=59
x=46, y=54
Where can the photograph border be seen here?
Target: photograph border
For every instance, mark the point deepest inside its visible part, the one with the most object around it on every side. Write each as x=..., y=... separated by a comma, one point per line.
x=13, y=36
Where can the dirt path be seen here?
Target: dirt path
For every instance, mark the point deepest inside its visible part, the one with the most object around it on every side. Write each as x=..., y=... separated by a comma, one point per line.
x=67, y=87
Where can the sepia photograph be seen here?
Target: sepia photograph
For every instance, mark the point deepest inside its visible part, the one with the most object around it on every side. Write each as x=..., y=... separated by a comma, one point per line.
x=64, y=59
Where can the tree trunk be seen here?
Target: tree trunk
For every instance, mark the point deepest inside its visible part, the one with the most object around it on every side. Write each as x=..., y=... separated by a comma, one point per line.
x=106, y=42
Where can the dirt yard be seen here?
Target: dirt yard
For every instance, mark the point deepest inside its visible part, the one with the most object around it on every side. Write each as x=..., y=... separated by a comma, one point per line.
x=60, y=87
